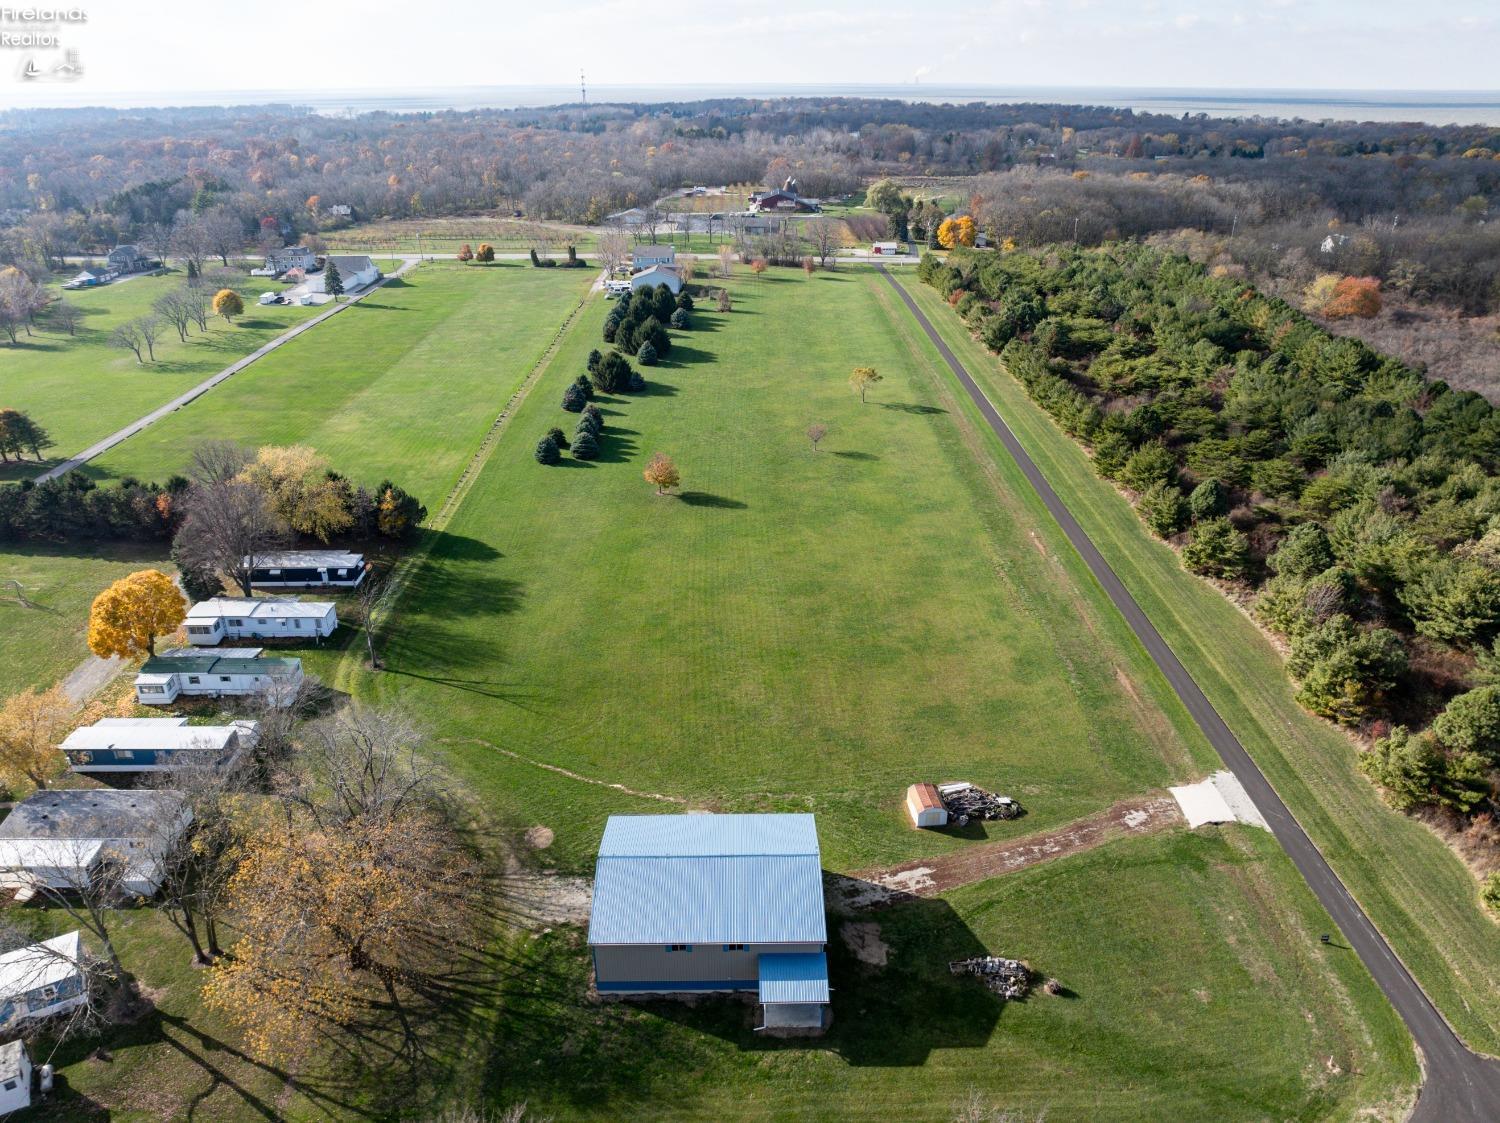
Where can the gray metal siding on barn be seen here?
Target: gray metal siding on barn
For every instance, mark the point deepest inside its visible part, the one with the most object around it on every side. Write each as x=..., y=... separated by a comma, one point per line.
x=645, y=968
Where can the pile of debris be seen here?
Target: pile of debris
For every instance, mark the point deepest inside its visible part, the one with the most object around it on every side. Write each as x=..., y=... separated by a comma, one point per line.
x=1009, y=978
x=964, y=802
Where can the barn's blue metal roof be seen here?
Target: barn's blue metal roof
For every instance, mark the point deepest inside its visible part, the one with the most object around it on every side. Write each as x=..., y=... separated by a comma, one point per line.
x=795, y=977
x=705, y=879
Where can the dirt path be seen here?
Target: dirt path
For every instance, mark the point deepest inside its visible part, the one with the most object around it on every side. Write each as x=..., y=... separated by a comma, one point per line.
x=926, y=877
x=90, y=677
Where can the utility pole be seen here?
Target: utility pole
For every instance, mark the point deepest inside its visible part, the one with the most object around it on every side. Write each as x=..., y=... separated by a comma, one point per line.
x=583, y=87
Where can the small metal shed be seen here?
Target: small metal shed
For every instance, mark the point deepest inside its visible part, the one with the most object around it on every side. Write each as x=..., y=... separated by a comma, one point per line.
x=925, y=806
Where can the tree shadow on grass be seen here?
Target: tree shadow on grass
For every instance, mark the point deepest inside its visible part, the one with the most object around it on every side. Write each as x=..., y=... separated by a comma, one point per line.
x=617, y=448
x=682, y=355
x=855, y=454
x=705, y=499
x=658, y=389
x=909, y=407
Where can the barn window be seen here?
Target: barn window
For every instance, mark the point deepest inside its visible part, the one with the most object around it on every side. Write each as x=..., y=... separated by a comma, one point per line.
x=734, y=947
x=679, y=947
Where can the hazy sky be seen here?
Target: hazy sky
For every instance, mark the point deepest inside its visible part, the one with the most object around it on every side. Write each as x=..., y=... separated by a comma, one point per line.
x=178, y=45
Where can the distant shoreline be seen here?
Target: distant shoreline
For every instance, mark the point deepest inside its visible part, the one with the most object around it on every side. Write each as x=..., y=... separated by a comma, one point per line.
x=1434, y=107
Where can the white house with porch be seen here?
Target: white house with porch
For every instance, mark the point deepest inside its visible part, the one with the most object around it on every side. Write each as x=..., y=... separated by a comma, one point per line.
x=355, y=272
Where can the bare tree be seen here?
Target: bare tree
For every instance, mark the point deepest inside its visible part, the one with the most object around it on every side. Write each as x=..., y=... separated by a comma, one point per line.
x=149, y=328
x=198, y=299
x=65, y=317
x=228, y=528
x=651, y=220
x=127, y=337
x=815, y=433
x=369, y=602
x=219, y=461
x=88, y=885
x=224, y=232
x=825, y=235
x=157, y=237
x=614, y=248
x=176, y=309
x=191, y=241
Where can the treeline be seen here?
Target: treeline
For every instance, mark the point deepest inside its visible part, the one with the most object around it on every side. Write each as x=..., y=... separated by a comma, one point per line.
x=1358, y=503
x=304, y=498
x=87, y=179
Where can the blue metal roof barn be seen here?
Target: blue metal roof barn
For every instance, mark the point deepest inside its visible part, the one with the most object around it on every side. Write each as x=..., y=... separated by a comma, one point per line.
x=699, y=879
x=798, y=977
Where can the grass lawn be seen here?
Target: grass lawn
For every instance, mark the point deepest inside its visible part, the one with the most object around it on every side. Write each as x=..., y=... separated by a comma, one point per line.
x=799, y=630
x=81, y=389
x=38, y=646
x=807, y=630
x=447, y=235
x=404, y=384
x=1412, y=886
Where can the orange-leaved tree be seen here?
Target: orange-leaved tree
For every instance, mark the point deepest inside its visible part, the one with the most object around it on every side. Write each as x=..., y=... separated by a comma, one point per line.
x=129, y=615
x=31, y=725
x=1354, y=298
x=662, y=473
x=227, y=303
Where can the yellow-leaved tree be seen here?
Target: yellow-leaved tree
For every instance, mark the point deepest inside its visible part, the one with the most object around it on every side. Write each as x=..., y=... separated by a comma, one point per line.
x=959, y=231
x=227, y=303
x=301, y=490
x=128, y=616
x=862, y=379
x=662, y=472
x=32, y=724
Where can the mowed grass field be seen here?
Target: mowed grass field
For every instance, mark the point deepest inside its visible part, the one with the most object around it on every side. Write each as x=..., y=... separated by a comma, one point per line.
x=41, y=644
x=404, y=384
x=813, y=630
x=81, y=389
x=1412, y=886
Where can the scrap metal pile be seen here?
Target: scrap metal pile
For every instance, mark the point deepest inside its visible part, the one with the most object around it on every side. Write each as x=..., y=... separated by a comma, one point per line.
x=965, y=802
x=1009, y=978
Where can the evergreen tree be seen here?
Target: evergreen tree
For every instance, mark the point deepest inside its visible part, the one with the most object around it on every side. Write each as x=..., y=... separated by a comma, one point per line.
x=546, y=451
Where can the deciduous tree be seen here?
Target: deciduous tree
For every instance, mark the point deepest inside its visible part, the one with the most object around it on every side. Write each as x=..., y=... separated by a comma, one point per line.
x=32, y=724
x=128, y=616
x=862, y=379
x=815, y=433
x=958, y=231
x=227, y=303
x=662, y=473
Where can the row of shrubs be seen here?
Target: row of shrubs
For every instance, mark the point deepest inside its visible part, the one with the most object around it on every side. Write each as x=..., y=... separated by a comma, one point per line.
x=586, y=436
x=1358, y=502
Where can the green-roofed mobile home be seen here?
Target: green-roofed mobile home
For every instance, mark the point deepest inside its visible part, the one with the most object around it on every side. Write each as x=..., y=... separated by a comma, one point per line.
x=165, y=678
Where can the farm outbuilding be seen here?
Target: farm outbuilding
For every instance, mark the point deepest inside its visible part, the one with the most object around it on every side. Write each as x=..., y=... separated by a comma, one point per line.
x=706, y=903
x=925, y=806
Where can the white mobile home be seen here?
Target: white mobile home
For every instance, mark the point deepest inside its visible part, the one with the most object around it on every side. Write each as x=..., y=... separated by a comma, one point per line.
x=704, y=903
x=306, y=569
x=155, y=744
x=69, y=839
x=15, y=1077
x=212, y=621
x=164, y=678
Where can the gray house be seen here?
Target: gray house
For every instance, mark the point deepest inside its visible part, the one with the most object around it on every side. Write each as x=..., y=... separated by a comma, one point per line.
x=705, y=903
x=128, y=259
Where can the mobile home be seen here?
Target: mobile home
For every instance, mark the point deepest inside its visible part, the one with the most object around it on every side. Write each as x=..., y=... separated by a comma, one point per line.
x=154, y=744
x=236, y=672
x=306, y=569
x=213, y=621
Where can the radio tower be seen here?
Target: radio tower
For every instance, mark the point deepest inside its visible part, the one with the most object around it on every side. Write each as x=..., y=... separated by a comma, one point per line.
x=583, y=88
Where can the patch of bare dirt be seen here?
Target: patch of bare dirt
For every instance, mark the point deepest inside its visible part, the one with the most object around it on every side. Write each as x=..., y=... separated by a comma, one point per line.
x=862, y=937
x=927, y=877
x=536, y=900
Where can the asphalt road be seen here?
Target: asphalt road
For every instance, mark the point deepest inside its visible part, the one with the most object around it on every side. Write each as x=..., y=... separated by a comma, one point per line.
x=1460, y=1085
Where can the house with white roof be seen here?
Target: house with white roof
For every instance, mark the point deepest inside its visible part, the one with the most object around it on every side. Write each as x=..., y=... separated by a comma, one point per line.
x=306, y=569
x=71, y=839
x=212, y=621
x=164, y=678
x=15, y=1077
x=356, y=271
x=705, y=903
x=41, y=980
x=155, y=744
x=656, y=275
